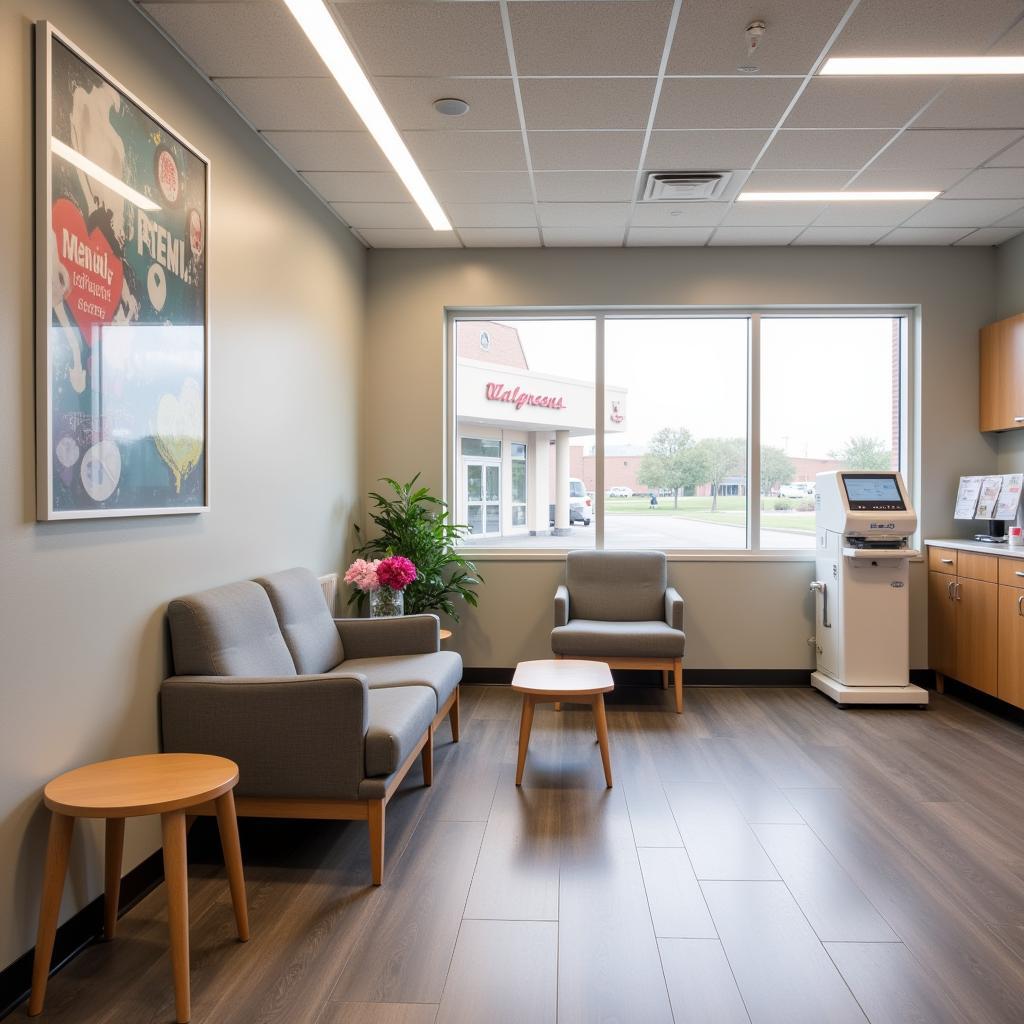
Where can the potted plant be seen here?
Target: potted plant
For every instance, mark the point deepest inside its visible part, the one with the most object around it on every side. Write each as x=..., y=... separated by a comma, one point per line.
x=417, y=525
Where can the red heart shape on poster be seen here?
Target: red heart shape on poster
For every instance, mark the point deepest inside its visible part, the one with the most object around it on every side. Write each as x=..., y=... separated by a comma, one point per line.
x=95, y=273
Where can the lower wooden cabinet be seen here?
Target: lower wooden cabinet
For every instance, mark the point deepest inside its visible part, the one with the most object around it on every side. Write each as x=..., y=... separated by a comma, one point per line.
x=1011, y=645
x=977, y=632
x=942, y=623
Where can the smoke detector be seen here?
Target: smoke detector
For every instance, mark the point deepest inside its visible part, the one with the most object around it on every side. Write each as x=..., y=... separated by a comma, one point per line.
x=451, y=106
x=685, y=186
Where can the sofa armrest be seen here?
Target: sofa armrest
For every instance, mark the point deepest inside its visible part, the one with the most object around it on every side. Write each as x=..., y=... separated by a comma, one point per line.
x=378, y=638
x=561, y=606
x=673, y=608
x=299, y=736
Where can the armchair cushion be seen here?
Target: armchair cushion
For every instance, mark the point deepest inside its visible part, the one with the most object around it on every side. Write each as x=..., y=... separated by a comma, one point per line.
x=304, y=619
x=228, y=631
x=441, y=671
x=617, y=586
x=399, y=716
x=597, y=638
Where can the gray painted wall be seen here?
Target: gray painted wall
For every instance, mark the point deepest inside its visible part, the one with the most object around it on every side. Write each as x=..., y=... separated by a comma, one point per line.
x=81, y=604
x=739, y=614
x=1009, y=302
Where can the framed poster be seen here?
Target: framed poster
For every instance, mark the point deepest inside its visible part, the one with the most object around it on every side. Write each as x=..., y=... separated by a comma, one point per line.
x=122, y=333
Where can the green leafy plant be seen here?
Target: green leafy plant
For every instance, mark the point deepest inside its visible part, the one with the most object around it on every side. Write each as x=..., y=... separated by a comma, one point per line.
x=418, y=525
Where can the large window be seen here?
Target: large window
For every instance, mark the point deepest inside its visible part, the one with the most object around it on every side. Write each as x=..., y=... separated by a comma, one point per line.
x=627, y=429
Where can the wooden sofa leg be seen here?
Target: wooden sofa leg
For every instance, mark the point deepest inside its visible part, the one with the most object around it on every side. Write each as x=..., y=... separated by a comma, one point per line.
x=453, y=717
x=664, y=678
x=375, y=819
x=678, y=671
x=427, y=756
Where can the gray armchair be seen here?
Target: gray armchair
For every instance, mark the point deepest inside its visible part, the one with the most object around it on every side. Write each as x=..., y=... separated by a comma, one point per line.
x=617, y=607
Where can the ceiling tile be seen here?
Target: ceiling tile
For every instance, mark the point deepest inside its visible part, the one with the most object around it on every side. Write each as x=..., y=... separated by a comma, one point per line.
x=796, y=181
x=860, y=102
x=853, y=235
x=929, y=149
x=583, y=215
x=437, y=39
x=924, y=28
x=382, y=215
x=583, y=236
x=711, y=39
x=989, y=236
x=409, y=102
x=256, y=39
x=754, y=236
x=585, y=151
x=703, y=150
x=868, y=214
x=329, y=151
x=467, y=151
x=823, y=150
x=991, y=183
x=977, y=103
x=771, y=214
x=500, y=238
x=923, y=236
x=492, y=215
x=668, y=236
x=723, y=102
x=924, y=179
x=679, y=215
x=388, y=238
x=589, y=37
x=358, y=187
x=1015, y=220
x=587, y=102
x=1012, y=157
x=965, y=213
x=291, y=104
x=584, y=186
x=481, y=187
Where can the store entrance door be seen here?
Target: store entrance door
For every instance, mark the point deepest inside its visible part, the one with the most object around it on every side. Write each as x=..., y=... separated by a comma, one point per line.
x=483, y=496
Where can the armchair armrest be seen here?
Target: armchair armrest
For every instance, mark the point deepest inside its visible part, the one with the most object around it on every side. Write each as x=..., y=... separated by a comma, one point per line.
x=298, y=736
x=673, y=608
x=378, y=638
x=561, y=606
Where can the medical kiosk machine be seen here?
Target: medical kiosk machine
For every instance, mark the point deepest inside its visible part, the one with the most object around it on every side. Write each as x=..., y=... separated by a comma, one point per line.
x=863, y=527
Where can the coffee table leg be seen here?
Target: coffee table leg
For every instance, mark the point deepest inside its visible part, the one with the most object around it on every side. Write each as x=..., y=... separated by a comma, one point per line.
x=227, y=824
x=525, y=725
x=57, y=849
x=176, y=876
x=113, y=848
x=601, y=722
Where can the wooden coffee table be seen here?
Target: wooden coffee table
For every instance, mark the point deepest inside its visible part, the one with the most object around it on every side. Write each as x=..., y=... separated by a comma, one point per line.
x=553, y=681
x=164, y=784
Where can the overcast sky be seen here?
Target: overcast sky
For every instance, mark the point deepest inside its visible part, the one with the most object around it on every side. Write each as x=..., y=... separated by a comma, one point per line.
x=823, y=379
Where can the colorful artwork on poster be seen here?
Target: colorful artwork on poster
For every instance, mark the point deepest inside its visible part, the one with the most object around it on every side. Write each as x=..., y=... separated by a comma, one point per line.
x=124, y=346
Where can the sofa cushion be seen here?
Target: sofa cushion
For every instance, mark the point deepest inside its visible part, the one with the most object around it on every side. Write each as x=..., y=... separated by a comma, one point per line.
x=305, y=620
x=616, y=585
x=398, y=717
x=228, y=631
x=440, y=670
x=598, y=639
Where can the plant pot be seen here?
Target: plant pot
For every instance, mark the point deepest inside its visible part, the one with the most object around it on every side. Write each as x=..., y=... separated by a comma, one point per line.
x=386, y=603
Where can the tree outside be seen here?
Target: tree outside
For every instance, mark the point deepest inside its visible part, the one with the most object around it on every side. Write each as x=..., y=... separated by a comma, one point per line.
x=776, y=468
x=670, y=464
x=865, y=453
x=719, y=457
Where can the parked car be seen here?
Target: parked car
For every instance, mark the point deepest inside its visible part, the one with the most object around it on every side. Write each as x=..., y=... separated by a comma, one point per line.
x=620, y=492
x=796, y=490
x=581, y=505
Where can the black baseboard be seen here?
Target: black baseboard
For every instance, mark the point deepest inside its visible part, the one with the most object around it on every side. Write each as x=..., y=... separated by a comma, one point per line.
x=78, y=931
x=691, y=676
x=984, y=701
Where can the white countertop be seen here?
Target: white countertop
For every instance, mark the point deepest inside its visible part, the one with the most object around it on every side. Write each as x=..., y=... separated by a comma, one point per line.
x=979, y=546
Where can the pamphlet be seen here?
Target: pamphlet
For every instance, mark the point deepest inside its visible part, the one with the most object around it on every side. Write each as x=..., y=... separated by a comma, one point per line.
x=990, y=488
x=967, y=496
x=1009, y=496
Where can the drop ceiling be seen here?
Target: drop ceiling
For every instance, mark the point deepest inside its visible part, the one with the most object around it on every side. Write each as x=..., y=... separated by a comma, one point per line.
x=572, y=101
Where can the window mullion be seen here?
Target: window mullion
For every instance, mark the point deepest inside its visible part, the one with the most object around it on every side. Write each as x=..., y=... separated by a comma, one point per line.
x=599, y=407
x=754, y=435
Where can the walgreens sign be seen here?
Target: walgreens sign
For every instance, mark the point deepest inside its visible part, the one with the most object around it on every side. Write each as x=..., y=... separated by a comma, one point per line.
x=517, y=397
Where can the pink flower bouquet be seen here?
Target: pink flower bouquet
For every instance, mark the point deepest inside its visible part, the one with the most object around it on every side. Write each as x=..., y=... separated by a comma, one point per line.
x=396, y=572
x=363, y=576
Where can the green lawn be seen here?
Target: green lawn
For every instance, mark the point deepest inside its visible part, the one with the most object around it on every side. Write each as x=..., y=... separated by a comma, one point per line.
x=731, y=511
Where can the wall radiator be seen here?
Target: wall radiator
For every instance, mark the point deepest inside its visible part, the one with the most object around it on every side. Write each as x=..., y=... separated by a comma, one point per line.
x=329, y=585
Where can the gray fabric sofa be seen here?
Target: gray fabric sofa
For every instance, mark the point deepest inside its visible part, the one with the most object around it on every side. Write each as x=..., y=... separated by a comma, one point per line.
x=617, y=607
x=323, y=716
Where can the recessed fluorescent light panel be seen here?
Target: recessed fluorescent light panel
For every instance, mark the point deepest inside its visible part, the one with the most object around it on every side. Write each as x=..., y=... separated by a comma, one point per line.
x=104, y=177
x=923, y=66
x=834, y=197
x=323, y=32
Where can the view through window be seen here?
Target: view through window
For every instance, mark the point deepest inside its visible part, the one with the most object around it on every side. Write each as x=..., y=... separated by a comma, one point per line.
x=674, y=413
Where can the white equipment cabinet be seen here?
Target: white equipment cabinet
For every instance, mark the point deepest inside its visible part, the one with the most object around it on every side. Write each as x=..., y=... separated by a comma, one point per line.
x=863, y=524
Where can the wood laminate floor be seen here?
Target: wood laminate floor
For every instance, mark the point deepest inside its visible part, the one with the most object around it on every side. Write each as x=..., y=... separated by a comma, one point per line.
x=766, y=857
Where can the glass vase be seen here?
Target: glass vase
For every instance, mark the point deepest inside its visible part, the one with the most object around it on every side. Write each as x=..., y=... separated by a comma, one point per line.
x=386, y=603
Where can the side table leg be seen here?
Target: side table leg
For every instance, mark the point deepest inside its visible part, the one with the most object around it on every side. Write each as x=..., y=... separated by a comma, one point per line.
x=57, y=849
x=227, y=824
x=176, y=874
x=525, y=726
x=601, y=722
x=112, y=853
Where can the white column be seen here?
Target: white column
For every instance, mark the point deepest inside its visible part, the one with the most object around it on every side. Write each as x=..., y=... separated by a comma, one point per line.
x=562, y=527
x=537, y=512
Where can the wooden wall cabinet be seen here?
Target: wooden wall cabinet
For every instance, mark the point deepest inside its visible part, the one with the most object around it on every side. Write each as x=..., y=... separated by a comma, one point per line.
x=1001, y=375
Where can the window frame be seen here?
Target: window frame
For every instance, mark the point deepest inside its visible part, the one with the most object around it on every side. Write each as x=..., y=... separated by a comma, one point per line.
x=908, y=313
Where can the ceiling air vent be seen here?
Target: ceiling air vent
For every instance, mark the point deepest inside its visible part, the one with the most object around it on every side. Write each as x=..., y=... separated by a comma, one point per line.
x=685, y=186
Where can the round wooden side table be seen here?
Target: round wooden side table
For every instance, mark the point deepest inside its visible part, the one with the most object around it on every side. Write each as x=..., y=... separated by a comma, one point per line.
x=164, y=784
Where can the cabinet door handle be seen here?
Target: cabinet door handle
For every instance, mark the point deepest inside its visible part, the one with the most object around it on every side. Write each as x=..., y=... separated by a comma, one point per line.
x=1018, y=419
x=1018, y=573
x=1019, y=599
x=949, y=561
x=956, y=592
